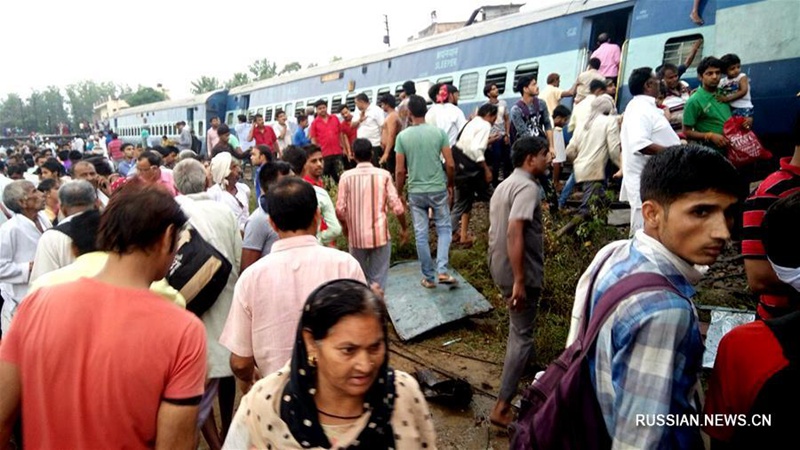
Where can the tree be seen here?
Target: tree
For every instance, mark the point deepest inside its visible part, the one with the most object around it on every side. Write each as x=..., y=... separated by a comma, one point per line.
x=291, y=67
x=144, y=95
x=238, y=79
x=263, y=69
x=84, y=95
x=312, y=65
x=12, y=112
x=205, y=84
x=54, y=109
x=336, y=58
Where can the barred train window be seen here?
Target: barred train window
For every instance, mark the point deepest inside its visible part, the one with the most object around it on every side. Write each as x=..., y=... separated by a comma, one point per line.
x=498, y=78
x=678, y=48
x=468, y=85
x=527, y=69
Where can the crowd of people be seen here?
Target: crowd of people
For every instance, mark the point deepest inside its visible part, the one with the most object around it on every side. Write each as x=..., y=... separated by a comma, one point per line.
x=104, y=342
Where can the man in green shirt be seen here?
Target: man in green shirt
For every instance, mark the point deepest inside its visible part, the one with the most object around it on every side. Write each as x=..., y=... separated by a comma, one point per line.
x=419, y=150
x=704, y=116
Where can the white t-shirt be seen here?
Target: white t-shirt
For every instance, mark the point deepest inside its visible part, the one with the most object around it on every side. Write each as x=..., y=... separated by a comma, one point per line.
x=643, y=124
x=287, y=138
x=370, y=129
x=728, y=83
x=447, y=117
x=475, y=139
x=242, y=131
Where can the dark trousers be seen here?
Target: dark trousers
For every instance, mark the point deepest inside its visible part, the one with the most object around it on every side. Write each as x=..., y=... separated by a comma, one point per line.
x=332, y=166
x=593, y=191
x=519, y=349
x=498, y=157
x=377, y=154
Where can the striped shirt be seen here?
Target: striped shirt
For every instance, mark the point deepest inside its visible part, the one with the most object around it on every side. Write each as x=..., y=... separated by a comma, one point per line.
x=365, y=192
x=780, y=184
x=649, y=352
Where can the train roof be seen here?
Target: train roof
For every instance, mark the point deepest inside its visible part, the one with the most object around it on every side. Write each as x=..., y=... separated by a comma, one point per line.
x=168, y=104
x=563, y=7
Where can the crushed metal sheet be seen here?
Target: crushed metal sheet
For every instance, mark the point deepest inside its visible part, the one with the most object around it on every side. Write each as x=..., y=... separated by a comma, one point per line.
x=722, y=321
x=415, y=310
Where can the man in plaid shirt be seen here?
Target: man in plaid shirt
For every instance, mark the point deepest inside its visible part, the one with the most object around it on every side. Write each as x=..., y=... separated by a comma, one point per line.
x=649, y=351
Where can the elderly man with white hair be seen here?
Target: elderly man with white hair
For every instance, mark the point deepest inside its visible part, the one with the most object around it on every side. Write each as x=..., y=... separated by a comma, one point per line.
x=217, y=225
x=225, y=172
x=18, y=239
x=54, y=250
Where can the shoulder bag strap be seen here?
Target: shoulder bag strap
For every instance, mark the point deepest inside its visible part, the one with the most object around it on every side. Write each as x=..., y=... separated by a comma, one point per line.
x=621, y=290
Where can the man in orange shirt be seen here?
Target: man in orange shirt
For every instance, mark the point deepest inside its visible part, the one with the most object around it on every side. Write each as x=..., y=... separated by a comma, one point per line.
x=103, y=362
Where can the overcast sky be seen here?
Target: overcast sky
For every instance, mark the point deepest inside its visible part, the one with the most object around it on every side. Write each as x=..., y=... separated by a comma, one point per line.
x=175, y=42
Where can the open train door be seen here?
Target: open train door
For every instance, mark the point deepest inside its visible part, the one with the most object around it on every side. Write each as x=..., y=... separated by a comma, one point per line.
x=614, y=22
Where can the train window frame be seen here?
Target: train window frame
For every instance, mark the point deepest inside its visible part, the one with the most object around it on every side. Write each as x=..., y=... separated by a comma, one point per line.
x=683, y=45
x=229, y=118
x=398, y=90
x=200, y=126
x=464, y=88
x=445, y=80
x=530, y=68
x=289, y=109
x=300, y=106
x=268, y=111
x=336, y=103
x=381, y=92
x=369, y=95
x=261, y=111
x=493, y=77
x=350, y=101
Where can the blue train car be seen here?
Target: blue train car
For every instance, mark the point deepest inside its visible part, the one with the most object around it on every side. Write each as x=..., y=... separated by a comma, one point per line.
x=160, y=118
x=559, y=39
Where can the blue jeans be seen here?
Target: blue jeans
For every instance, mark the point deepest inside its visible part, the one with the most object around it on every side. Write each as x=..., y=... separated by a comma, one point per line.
x=419, y=204
x=568, y=187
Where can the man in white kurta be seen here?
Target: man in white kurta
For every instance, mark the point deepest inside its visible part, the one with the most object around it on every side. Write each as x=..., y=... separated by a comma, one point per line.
x=19, y=237
x=645, y=131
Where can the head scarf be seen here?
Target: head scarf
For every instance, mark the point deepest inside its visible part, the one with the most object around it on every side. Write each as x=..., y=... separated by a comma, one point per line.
x=602, y=105
x=788, y=275
x=299, y=411
x=221, y=168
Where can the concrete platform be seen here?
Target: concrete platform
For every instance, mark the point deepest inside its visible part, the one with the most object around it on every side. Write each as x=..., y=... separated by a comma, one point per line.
x=415, y=310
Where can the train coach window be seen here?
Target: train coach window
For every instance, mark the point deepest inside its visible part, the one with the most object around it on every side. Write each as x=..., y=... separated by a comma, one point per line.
x=268, y=114
x=445, y=80
x=261, y=111
x=336, y=103
x=527, y=69
x=398, y=89
x=369, y=95
x=300, y=107
x=289, y=108
x=678, y=48
x=350, y=101
x=381, y=93
x=497, y=77
x=229, y=119
x=468, y=85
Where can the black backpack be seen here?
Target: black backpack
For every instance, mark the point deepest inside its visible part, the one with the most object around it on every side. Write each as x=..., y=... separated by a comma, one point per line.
x=200, y=272
x=197, y=144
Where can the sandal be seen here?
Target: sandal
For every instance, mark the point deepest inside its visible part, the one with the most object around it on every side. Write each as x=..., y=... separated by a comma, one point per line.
x=447, y=279
x=427, y=284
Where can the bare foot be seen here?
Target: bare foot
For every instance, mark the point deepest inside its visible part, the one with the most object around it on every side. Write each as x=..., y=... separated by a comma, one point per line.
x=501, y=415
x=696, y=18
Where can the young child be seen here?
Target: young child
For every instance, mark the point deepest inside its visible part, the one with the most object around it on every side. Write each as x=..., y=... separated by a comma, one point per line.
x=736, y=87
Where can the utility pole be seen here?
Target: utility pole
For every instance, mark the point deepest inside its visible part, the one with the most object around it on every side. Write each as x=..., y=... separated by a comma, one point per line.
x=386, y=37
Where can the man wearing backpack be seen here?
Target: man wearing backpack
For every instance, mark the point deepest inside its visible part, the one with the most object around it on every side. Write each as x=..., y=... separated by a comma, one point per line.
x=216, y=225
x=529, y=117
x=648, y=353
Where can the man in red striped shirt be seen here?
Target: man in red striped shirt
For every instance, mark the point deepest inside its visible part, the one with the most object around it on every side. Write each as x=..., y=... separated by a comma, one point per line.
x=774, y=301
x=365, y=194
